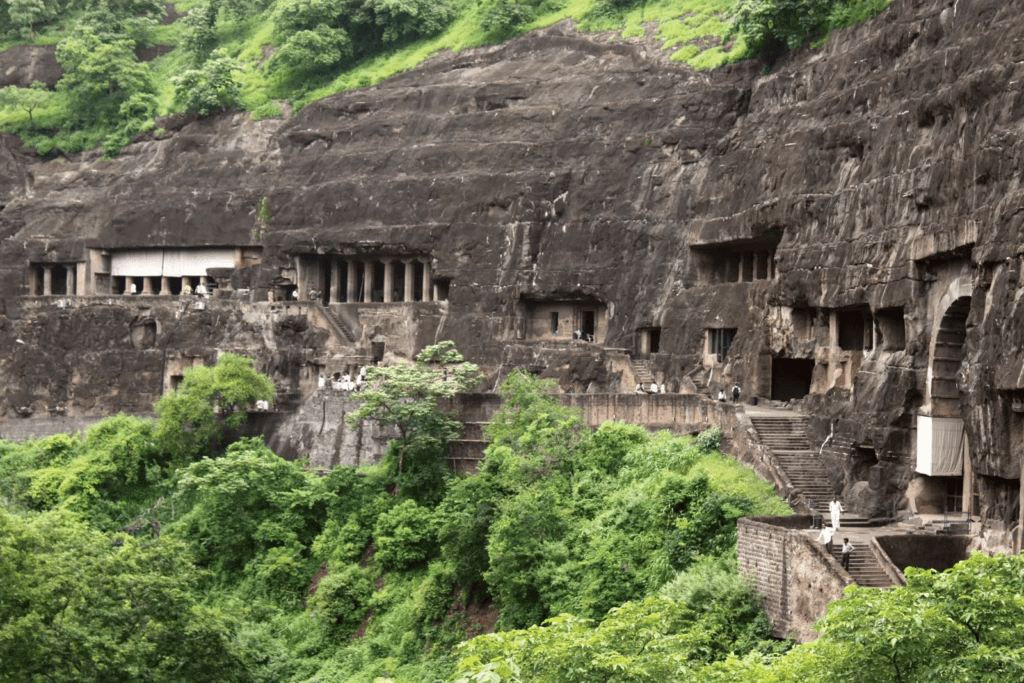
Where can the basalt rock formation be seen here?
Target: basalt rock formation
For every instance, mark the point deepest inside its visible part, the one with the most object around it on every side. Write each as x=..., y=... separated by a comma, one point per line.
x=843, y=231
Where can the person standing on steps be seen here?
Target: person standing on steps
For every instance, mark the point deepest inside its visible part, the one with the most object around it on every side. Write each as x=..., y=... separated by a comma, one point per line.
x=835, y=510
x=826, y=537
x=847, y=549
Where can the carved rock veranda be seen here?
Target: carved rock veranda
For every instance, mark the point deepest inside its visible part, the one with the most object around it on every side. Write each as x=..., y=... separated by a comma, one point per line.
x=847, y=229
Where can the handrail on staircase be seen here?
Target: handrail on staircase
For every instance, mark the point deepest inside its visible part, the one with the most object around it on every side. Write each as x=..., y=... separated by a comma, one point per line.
x=334, y=323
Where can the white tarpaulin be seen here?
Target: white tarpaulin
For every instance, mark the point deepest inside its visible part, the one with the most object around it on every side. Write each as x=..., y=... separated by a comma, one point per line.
x=136, y=263
x=169, y=262
x=940, y=446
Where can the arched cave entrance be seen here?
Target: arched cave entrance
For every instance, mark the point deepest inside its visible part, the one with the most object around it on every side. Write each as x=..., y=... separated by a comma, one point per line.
x=942, y=448
x=947, y=355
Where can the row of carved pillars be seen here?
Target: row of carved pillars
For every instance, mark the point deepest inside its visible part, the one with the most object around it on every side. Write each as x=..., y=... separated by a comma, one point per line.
x=149, y=282
x=356, y=291
x=70, y=273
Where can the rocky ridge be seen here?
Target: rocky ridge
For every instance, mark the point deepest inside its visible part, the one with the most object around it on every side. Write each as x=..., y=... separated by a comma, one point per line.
x=883, y=172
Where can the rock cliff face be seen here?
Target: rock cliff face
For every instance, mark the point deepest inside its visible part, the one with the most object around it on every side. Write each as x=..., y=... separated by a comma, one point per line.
x=844, y=231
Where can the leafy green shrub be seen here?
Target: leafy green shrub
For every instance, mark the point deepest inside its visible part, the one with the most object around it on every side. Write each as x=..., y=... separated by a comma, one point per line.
x=464, y=519
x=503, y=17
x=853, y=12
x=198, y=38
x=405, y=536
x=342, y=598
x=611, y=442
x=212, y=86
x=710, y=439
x=769, y=26
x=241, y=505
x=524, y=543
x=435, y=595
x=209, y=401
x=268, y=110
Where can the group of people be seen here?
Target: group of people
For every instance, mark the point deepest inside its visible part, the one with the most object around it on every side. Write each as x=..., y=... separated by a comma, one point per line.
x=735, y=393
x=835, y=510
x=186, y=289
x=340, y=382
x=652, y=388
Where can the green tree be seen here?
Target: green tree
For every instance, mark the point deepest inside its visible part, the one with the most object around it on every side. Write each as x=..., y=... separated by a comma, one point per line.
x=313, y=50
x=406, y=397
x=198, y=38
x=964, y=624
x=505, y=17
x=212, y=86
x=768, y=26
x=27, y=13
x=100, y=75
x=771, y=26
x=532, y=435
x=250, y=510
x=208, y=403
x=108, y=476
x=38, y=96
x=79, y=606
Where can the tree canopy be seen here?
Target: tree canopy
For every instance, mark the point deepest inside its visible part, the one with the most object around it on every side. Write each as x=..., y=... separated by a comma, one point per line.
x=405, y=397
x=208, y=403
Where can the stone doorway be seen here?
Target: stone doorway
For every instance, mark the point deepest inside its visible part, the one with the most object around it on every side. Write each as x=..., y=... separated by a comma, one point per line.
x=791, y=378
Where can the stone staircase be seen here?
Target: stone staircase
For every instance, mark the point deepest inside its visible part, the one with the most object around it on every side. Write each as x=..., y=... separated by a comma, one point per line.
x=865, y=569
x=786, y=436
x=334, y=320
x=642, y=371
x=466, y=454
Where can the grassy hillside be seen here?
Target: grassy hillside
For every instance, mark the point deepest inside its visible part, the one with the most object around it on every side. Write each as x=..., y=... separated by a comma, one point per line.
x=269, y=56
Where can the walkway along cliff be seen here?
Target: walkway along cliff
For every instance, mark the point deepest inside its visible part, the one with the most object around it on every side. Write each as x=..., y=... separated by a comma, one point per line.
x=843, y=232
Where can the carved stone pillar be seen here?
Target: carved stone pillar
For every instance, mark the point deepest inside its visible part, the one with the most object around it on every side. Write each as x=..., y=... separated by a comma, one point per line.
x=335, y=281
x=47, y=280
x=368, y=282
x=351, y=285
x=389, y=280
x=426, y=280
x=165, y=285
x=410, y=275
x=147, y=285
x=72, y=279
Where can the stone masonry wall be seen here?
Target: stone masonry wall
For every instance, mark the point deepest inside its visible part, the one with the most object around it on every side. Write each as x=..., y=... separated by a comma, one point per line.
x=795, y=575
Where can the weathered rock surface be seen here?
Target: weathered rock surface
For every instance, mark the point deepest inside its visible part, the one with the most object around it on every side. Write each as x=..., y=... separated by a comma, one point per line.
x=881, y=176
x=23, y=65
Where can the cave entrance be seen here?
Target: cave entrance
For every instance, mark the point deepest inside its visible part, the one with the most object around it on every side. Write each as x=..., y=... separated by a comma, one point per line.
x=947, y=355
x=791, y=378
x=648, y=340
x=588, y=325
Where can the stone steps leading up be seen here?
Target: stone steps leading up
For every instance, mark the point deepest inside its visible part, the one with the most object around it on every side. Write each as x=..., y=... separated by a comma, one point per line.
x=642, y=370
x=341, y=325
x=864, y=569
x=786, y=436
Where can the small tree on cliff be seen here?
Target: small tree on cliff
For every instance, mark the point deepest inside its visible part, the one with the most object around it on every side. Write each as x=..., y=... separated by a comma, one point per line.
x=209, y=402
x=405, y=397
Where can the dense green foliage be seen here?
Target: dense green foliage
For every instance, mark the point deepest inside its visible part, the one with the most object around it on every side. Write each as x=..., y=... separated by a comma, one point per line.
x=603, y=554
x=966, y=624
x=249, y=567
x=209, y=403
x=771, y=26
x=257, y=55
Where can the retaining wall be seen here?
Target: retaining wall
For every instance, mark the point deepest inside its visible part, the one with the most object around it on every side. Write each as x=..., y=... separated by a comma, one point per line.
x=796, y=576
